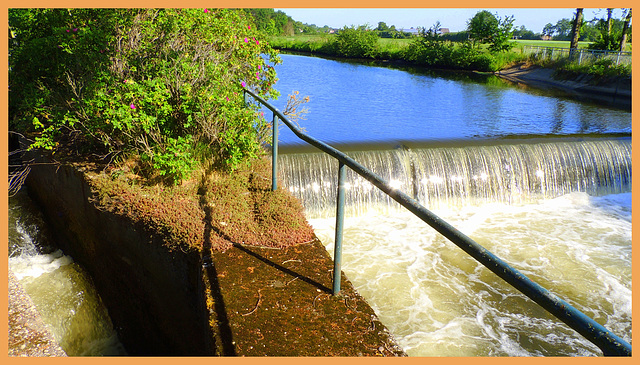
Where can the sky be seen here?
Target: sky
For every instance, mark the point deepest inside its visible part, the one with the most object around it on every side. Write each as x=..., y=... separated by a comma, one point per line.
x=454, y=19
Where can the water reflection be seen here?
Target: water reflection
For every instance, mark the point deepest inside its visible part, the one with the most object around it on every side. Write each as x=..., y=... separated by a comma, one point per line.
x=353, y=103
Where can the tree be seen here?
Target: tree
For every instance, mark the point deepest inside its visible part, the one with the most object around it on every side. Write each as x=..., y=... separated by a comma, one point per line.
x=625, y=30
x=548, y=30
x=575, y=31
x=482, y=26
x=609, y=32
x=524, y=33
x=485, y=27
x=382, y=27
x=560, y=31
x=162, y=84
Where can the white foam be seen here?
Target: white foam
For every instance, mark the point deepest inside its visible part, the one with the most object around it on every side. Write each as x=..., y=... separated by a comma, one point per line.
x=438, y=301
x=36, y=265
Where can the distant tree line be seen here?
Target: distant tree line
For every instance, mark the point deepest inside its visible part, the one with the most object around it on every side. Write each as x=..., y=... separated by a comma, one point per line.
x=605, y=32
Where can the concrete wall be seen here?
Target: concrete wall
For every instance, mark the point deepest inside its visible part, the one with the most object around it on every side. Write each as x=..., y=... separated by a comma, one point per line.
x=155, y=297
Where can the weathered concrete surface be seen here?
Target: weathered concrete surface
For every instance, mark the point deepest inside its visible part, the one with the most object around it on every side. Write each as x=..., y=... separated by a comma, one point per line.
x=278, y=302
x=154, y=295
x=28, y=334
x=247, y=301
x=612, y=91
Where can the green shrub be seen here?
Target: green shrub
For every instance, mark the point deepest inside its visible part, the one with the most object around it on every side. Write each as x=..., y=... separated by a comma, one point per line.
x=161, y=83
x=352, y=42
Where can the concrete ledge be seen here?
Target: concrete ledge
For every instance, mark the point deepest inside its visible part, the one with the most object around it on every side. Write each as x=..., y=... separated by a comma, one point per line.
x=616, y=91
x=247, y=301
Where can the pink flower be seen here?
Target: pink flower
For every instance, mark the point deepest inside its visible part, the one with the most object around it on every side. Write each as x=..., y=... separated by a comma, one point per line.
x=206, y=10
x=75, y=29
x=68, y=30
x=132, y=106
x=249, y=27
x=227, y=98
x=257, y=42
x=246, y=40
x=259, y=67
x=243, y=84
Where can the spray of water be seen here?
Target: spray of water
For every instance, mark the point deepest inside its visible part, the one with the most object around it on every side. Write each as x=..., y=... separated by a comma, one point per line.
x=61, y=290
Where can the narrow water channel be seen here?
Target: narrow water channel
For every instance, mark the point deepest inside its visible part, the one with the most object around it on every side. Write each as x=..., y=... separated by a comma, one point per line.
x=61, y=290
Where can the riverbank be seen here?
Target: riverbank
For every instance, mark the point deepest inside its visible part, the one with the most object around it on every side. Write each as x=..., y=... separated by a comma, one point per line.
x=610, y=90
x=607, y=90
x=229, y=298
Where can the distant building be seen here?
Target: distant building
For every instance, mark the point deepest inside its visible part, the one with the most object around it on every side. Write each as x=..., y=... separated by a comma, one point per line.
x=443, y=30
x=412, y=31
x=545, y=37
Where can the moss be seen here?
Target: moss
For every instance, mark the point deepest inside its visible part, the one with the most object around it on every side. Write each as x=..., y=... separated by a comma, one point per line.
x=172, y=212
x=241, y=208
x=216, y=211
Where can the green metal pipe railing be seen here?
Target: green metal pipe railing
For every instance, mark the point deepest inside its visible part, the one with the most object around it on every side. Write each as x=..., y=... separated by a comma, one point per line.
x=609, y=343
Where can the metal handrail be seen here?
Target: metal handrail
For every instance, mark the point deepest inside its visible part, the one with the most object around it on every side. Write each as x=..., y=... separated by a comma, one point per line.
x=609, y=343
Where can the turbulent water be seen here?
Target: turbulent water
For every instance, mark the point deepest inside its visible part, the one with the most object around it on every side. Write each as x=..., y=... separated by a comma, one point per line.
x=559, y=212
x=61, y=290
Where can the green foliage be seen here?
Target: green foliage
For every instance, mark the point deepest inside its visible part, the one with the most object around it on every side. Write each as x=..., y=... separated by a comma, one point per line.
x=600, y=68
x=484, y=27
x=429, y=50
x=603, y=40
x=161, y=83
x=272, y=22
x=356, y=42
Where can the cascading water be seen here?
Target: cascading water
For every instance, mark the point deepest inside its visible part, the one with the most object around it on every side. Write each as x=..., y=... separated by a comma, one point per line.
x=510, y=173
x=559, y=211
x=61, y=290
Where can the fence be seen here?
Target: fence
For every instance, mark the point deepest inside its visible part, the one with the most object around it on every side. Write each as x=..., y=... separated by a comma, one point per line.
x=581, y=55
x=610, y=344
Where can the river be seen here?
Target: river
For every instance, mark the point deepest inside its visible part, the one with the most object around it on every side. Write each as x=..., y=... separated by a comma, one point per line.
x=540, y=179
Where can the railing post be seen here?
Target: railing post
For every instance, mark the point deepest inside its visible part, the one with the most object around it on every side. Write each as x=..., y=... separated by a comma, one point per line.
x=274, y=154
x=580, y=59
x=337, y=251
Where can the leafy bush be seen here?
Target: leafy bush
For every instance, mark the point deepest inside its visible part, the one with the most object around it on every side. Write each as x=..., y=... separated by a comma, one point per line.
x=360, y=42
x=447, y=54
x=162, y=83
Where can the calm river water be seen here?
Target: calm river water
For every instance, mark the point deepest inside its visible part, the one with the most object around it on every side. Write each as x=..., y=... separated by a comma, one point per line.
x=556, y=207
x=351, y=102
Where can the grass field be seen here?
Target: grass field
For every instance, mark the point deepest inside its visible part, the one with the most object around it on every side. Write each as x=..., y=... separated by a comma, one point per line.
x=389, y=43
x=541, y=43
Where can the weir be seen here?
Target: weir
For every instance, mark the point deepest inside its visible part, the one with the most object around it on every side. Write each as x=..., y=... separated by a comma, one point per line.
x=609, y=343
x=512, y=172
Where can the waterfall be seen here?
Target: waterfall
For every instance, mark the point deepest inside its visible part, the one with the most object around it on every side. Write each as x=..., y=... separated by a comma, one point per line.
x=512, y=172
x=558, y=210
